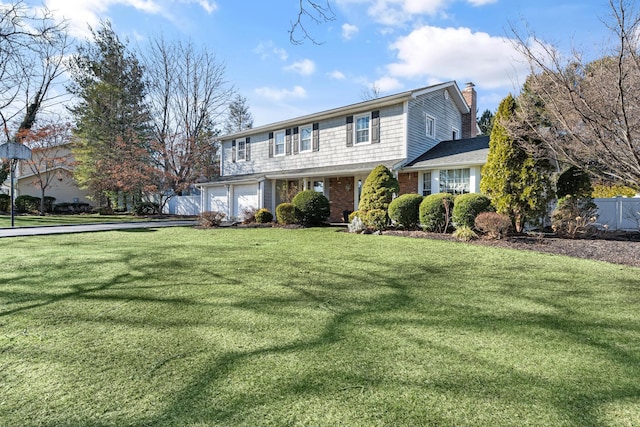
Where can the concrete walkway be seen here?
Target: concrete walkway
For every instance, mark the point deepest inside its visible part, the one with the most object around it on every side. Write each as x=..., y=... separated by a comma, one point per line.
x=87, y=228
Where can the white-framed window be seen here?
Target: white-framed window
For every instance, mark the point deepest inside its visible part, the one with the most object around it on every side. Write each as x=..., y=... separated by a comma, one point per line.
x=318, y=186
x=426, y=183
x=362, y=129
x=306, y=134
x=241, y=150
x=278, y=143
x=431, y=126
x=455, y=181
x=455, y=134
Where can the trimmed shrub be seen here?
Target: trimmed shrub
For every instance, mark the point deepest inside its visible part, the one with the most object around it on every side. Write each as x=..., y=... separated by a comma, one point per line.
x=312, y=207
x=378, y=189
x=467, y=207
x=286, y=214
x=263, y=216
x=27, y=204
x=376, y=219
x=435, y=212
x=209, y=219
x=70, y=208
x=573, y=215
x=574, y=182
x=493, y=224
x=465, y=233
x=146, y=208
x=48, y=203
x=405, y=210
x=4, y=202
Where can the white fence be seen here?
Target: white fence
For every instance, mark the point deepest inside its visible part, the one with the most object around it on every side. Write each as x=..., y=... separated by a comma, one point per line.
x=183, y=205
x=619, y=213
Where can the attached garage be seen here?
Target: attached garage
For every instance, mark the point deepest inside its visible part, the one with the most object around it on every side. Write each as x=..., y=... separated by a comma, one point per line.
x=218, y=199
x=245, y=197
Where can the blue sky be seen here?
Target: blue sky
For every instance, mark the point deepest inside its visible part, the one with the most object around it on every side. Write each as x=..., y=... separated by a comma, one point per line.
x=395, y=45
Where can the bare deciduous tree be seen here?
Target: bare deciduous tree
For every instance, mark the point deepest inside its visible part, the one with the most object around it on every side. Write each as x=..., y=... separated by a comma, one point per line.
x=586, y=112
x=309, y=12
x=188, y=95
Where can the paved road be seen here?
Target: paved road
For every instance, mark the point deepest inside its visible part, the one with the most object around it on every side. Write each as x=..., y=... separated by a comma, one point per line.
x=85, y=228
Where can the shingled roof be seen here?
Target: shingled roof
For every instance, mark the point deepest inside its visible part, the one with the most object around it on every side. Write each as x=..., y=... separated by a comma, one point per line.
x=467, y=151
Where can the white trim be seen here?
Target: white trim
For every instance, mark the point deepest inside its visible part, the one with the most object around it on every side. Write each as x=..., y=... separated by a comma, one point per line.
x=310, y=149
x=428, y=118
x=244, y=150
x=284, y=143
x=355, y=128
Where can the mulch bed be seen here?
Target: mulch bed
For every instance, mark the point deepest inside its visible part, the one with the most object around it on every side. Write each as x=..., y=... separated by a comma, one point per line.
x=617, y=248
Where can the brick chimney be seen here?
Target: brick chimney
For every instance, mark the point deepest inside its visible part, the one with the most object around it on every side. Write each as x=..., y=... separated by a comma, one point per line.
x=469, y=121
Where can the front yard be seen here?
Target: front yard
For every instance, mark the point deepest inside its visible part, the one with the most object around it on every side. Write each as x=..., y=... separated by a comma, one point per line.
x=267, y=326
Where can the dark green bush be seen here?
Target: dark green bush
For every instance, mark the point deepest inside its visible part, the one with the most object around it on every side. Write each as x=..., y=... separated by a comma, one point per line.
x=286, y=214
x=435, y=212
x=28, y=204
x=146, y=208
x=378, y=189
x=574, y=182
x=404, y=210
x=312, y=207
x=467, y=207
x=48, y=203
x=4, y=203
x=263, y=216
x=71, y=208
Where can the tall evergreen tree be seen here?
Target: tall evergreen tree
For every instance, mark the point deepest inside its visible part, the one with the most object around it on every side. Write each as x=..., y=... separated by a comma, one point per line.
x=519, y=185
x=485, y=122
x=239, y=117
x=110, y=113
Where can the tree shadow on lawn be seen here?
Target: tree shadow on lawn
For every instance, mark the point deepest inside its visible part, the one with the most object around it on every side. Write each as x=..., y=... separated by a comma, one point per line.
x=576, y=402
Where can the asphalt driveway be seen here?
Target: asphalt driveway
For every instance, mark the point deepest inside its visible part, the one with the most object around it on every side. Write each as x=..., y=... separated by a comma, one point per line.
x=88, y=228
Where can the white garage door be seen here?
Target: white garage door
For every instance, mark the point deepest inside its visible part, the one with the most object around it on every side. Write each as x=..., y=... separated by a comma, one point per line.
x=245, y=197
x=218, y=200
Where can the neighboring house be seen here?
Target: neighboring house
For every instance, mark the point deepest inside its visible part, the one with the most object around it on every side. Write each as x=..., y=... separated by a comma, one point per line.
x=60, y=175
x=427, y=137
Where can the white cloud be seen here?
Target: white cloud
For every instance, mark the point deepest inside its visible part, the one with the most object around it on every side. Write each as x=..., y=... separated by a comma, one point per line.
x=268, y=48
x=337, y=75
x=398, y=12
x=387, y=84
x=306, y=67
x=82, y=14
x=438, y=54
x=276, y=94
x=349, y=30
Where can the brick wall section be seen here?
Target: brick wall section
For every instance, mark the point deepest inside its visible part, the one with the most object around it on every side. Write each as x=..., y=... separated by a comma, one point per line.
x=469, y=129
x=341, y=199
x=408, y=182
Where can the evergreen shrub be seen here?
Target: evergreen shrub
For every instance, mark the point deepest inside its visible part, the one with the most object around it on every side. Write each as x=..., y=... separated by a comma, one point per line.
x=404, y=210
x=467, y=207
x=286, y=214
x=4, y=202
x=435, y=212
x=376, y=219
x=312, y=207
x=27, y=204
x=263, y=216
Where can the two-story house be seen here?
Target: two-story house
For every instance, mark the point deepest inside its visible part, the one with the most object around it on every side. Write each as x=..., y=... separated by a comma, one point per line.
x=427, y=137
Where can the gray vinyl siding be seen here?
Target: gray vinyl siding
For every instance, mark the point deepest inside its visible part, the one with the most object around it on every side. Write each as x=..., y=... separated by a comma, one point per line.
x=332, y=150
x=443, y=110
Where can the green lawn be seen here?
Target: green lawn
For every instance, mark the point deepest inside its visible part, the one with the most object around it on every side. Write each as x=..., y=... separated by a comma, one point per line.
x=186, y=327
x=38, y=221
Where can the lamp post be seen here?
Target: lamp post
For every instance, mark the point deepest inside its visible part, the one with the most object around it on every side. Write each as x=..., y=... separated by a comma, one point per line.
x=13, y=152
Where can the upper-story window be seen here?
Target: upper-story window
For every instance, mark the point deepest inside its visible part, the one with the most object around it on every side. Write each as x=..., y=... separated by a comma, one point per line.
x=241, y=150
x=431, y=126
x=306, y=135
x=362, y=128
x=279, y=143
